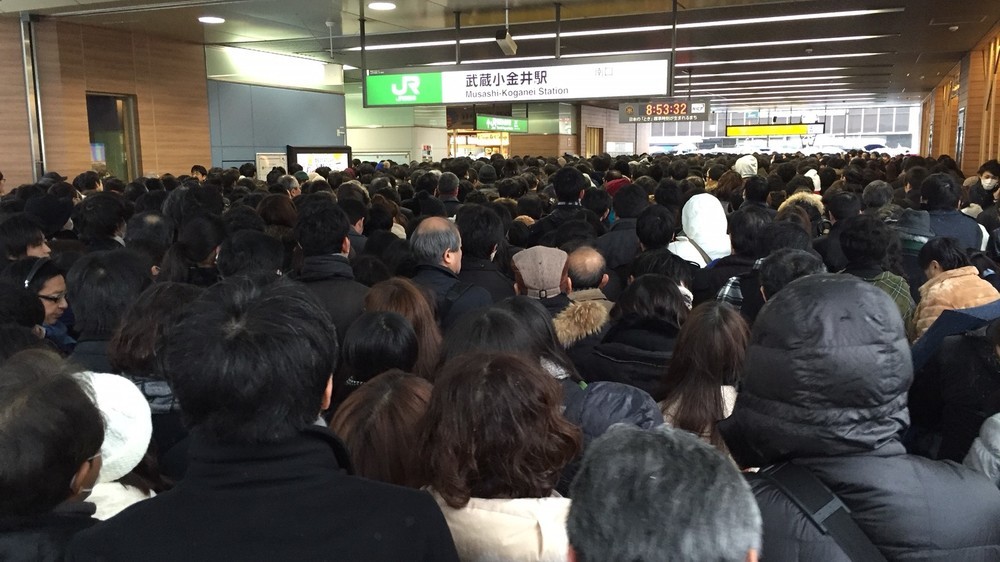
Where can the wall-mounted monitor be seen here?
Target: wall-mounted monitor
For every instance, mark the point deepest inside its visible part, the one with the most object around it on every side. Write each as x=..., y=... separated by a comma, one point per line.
x=336, y=158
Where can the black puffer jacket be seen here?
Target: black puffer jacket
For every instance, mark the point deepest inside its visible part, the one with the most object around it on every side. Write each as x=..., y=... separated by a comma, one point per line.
x=825, y=385
x=635, y=351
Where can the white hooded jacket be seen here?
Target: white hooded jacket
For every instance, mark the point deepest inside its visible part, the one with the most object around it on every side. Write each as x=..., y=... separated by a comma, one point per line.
x=703, y=221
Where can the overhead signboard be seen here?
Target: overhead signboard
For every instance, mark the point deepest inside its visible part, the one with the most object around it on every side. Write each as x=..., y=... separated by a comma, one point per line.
x=581, y=79
x=501, y=123
x=664, y=110
x=775, y=130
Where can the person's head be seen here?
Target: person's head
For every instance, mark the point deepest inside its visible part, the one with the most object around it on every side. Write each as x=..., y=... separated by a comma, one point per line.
x=150, y=226
x=102, y=285
x=942, y=254
x=100, y=216
x=447, y=185
x=199, y=172
x=402, y=296
x=42, y=278
x=19, y=306
x=597, y=200
x=479, y=402
x=652, y=296
x=569, y=184
x=664, y=262
x=197, y=245
x=630, y=201
x=940, y=192
x=633, y=498
x=248, y=170
x=357, y=213
x=877, y=194
x=132, y=349
x=374, y=343
x=50, y=435
x=656, y=227
x=437, y=241
x=866, y=240
x=322, y=228
x=756, y=189
x=989, y=174
x=88, y=181
x=785, y=265
x=540, y=272
x=481, y=229
x=539, y=334
x=277, y=210
x=745, y=226
x=842, y=205
x=251, y=254
x=709, y=354
x=288, y=185
x=249, y=363
x=586, y=269
x=21, y=236
x=814, y=350
x=379, y=422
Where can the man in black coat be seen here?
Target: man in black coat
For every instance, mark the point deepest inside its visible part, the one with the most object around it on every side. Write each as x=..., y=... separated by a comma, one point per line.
x=620, y=245
x=482, y=233
x=437, y=245
x=840, y=206
x=745, y=225
x=322, y=232
x=251, y=367
x=825, y=386
x=569, y=184
x=941, y=196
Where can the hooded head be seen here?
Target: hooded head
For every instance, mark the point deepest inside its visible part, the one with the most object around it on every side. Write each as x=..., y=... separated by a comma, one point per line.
x=826, y=374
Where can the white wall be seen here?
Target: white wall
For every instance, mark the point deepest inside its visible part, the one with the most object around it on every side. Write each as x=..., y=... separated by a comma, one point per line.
x=385, y=140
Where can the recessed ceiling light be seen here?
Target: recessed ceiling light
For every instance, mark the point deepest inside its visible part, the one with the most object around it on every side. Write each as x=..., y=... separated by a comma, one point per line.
x=211, y=20
x=381, y=6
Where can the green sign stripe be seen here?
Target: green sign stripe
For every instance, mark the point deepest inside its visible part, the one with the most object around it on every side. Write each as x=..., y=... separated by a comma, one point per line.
x=501, y=123
x=404, y=89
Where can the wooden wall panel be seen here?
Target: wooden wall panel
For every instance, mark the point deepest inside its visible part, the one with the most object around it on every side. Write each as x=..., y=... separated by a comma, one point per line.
x=542, y=145
x=166, y=77
x=15, y=142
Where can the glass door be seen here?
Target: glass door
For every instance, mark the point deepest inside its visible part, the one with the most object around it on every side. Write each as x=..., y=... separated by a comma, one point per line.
x=114, y=135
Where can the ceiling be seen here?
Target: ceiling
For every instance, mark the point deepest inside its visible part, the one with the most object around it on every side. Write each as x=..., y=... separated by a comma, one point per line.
x=736, y=52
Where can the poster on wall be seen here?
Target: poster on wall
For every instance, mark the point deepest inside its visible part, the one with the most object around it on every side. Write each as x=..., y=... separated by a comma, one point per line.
x=266, y=161
x=427, y=153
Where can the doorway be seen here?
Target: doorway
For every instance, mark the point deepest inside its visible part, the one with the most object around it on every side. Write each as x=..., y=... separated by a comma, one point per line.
x=594, y=141
x=114, y=135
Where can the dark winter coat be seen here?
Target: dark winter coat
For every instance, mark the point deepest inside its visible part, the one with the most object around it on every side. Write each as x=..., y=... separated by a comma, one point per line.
x=486, y=274
x=284, y=501
x=958, y=225
x=331, y=279
x=708, y=280
x=824, y=385
x=634, y=351
x=44, y=538
x=439, y=280
x=620, y=245
x=551, y=222
x=828, y=248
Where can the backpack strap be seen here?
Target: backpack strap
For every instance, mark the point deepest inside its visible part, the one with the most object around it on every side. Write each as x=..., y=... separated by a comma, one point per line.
x=823, y=509
x=704, y=255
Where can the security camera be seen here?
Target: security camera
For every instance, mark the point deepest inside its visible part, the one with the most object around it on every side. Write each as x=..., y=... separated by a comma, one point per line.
x=506, y=42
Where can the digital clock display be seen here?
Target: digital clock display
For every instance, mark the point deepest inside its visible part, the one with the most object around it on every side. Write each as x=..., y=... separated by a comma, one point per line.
x=664, y=109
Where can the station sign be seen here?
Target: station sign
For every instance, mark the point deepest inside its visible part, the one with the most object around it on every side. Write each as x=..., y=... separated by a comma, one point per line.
x=501, y=123
x=775, y=130
x=548, y=80
x=664, y=110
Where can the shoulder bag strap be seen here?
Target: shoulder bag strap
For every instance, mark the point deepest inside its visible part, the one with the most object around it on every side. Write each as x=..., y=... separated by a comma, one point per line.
x=704, y=255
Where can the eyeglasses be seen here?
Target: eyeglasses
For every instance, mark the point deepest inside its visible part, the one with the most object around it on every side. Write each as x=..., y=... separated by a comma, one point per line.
x=55, y=299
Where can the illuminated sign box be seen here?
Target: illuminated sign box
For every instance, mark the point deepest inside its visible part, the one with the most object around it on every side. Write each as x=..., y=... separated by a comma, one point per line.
x=664, y=110
x=582, y=79
x=775, y=130
x=501, y=123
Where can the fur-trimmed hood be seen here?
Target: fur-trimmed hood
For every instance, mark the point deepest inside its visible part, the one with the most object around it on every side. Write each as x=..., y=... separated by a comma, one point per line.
x=579, y=320
x=813, y=199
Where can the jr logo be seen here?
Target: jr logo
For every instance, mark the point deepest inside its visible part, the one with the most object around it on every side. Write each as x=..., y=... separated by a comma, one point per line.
x=408, y=90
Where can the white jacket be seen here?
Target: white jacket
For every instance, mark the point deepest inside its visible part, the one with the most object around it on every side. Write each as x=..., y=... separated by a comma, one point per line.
x=501, y=530
x=984, y=456
x=704, y=221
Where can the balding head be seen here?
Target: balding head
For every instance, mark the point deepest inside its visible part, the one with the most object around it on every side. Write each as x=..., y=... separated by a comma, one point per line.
x=586, y=269
x=437, y=241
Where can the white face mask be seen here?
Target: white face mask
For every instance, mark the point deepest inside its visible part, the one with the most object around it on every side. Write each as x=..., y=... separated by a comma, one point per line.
x=989, y=184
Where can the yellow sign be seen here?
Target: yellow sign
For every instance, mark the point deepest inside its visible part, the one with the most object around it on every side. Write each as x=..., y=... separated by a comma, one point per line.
x=774, y=130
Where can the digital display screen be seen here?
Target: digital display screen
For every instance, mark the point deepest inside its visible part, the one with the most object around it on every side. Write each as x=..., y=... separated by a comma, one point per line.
x=665, y=109
x=336, y=161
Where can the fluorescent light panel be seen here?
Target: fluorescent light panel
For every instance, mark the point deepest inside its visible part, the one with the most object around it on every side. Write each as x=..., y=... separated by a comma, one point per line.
x=758, y=81
x=771, y=87
x=778, y=59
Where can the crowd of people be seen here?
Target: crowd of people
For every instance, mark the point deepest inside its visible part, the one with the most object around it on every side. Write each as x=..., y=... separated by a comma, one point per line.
x=650, y=357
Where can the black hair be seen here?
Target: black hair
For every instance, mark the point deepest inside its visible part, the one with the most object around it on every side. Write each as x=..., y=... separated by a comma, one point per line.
x=568, y=183
x=656, y=227
x=786, y=265
x=537, y=322
x=866, y=239
x=252, y=254
x=241, y=217
x=531, y=205
x=664, y=262
x=948, y=252
x=756, y=189
x=196, y=241
x=19, y=305
x=100, y=216
x=87, y=181
x=18, y=232
x=356, y=210
x=152, y=201
x=102, y=285
x=370, y=269
x=30, y=273
x=249, y=170
x=843, y=205
x=15, y=338
x=991, y=166
x=51, y=426
x=250, y=363
x=629, y=201
x=782, y=234
x=940, y=192
x=481, y=229
x=652, y=296
x=151, y=226
x=374, y=343
x=745, y=226
x=322, y=226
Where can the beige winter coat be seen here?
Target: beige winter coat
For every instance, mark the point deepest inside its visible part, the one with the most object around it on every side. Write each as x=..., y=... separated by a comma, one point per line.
x=951, y=290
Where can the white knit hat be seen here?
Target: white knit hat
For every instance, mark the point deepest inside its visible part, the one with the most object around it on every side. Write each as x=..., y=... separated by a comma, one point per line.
x=128, y=423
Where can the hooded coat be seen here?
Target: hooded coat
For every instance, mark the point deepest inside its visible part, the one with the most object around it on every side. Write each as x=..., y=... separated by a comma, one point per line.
x=704, y=223
x=825, y=386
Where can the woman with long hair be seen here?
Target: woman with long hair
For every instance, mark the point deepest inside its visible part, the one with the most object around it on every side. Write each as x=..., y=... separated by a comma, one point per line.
x=700, y=383
x=403, y=297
